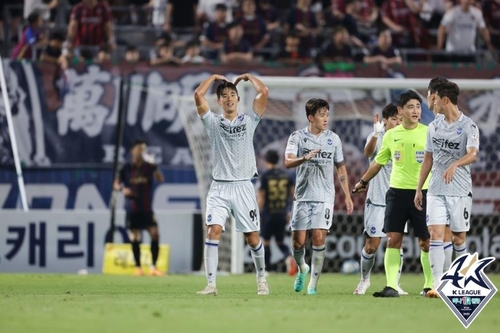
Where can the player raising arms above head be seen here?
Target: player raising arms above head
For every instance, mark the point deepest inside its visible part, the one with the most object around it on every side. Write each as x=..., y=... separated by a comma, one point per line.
x=452, y=145
x=375, y=199
x=314, y=151
x=404, y=144
x=231, y=135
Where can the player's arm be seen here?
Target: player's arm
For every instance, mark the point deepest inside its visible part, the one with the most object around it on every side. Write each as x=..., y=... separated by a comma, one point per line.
x=260, y=101
x=424, y=173
x=292, y=161
x=158, y=175
x=199, y=94
x=371, y=144
x=381, y=159
x=467, y=159
x=344, y=183
x=261, y=199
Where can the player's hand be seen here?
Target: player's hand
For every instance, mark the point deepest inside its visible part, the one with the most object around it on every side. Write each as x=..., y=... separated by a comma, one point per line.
x=127, y=192
x=218, y=77
x=358, y=188
x=242, y=77
x=418, y=200
x=378, y=126
x=349, y=205
x=449, y=173
x=311, y=155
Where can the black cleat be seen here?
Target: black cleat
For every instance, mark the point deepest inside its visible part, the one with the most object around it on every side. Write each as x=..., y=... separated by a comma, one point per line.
x=424, y=291
x=386, y=292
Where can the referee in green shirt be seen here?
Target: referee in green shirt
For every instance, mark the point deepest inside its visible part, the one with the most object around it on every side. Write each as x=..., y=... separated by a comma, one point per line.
x=405, y=145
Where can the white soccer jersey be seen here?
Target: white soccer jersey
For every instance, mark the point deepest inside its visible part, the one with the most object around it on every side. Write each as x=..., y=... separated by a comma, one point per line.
x=315, y=177
x=449, y=143
x=232, y=147
x=462, y=28
x=380, y=183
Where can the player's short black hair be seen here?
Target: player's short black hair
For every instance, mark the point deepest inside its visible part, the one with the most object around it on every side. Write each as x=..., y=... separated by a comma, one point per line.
x=34, y=16
x=225, y=85
x=272, y=156
x=434, y=82
x=137, y=142
x=314, y=105
x=448, y=89
x=407, y=96
x=221, y=6
x=390, y=110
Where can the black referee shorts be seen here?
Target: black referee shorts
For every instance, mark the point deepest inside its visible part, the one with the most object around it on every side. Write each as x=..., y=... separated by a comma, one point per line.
x=400, y=208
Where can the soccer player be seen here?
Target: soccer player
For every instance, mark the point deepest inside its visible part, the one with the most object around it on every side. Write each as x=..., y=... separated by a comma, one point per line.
x=135, y=181
x=274, y=197
x=452, y=145
x=314, y=151
x=232, y=192
x=431, y=97
x=405, y=145
x=375, y=199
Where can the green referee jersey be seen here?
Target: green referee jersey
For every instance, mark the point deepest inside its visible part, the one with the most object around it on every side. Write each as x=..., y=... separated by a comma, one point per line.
x=406, y=148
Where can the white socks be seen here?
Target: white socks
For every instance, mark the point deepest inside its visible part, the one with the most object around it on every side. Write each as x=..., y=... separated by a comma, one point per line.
x=211, y=260
x=366, y=263
x=318, y=257
x=460, y=249
x=448, y=254
x=436, y=258
x=259, y=260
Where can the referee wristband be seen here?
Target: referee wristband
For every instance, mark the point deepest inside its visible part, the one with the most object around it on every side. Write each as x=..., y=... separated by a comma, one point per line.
x=362, y=182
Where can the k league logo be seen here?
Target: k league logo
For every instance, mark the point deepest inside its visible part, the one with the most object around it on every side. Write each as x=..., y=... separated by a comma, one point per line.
x=465, y=288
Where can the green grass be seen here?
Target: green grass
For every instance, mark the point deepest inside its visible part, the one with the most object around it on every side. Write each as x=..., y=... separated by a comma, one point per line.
x=96, y=303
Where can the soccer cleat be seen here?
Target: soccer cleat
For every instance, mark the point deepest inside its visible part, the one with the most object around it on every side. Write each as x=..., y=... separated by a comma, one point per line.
x=300, y=280
x=425, y=291
x=210, y=289
x=363, y=285
x=432, y=294
x=156, y=272
x=386, y=292
x=291, y=266
x=262, y=287
x=401, y=291
x=312, y=291
x=138, y=272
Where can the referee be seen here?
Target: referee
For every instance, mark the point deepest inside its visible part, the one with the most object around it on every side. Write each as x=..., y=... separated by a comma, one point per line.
x=405, y=145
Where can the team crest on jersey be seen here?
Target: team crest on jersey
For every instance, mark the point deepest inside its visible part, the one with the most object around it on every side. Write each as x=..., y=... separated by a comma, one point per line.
x=209, y=217
x=459, y=130
x=419, y=156
x=330, y=142
x=240, y=117
x=397, y=155
x=465, y=288
x=373, y=230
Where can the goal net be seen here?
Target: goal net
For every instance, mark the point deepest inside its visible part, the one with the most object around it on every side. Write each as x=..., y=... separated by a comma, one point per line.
x=353, y=102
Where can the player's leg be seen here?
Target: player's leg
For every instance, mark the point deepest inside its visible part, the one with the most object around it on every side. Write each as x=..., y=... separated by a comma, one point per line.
x=301, y=222
x=279, y=235
x=400, y=271
x=133, y=225
x=374, y=224
x=436, y=223
x=418, y=221
x=395, y=217
x=448, y=248
x=266, y=234
x=215, y=219
x=460, y=208
x=247, y=217
x=152, y=229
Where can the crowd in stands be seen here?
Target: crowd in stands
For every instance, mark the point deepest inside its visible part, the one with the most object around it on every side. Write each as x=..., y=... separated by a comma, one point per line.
x=287, y=32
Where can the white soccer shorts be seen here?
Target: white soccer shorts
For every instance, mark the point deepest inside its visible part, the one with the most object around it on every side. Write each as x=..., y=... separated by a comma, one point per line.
x=308, y=215
x=236, y=198
x=454, y=211
x=374, y=220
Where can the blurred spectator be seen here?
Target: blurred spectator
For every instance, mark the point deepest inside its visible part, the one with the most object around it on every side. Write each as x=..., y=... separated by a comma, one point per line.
x=432, y=13
x=254, y=26
x=206, y=10
x=383, y=53
x=215, y=33
x=335, y=15
x=86, y=55
x=292, y=53
x=270, y=14
x=15, y=19
x=41, y=6
x=91, y=23
x=139, y=13
x=460, y=26
x=193, y=53
x=236, y=49
x=31, y=37
x=302, y=19
x=165, y=56
x=491, y=11
x=103, y=55
x=366, y=15
x=338, y=49
x=400, y=17
x=132, y=54
x=180, y=14
x=54, y=49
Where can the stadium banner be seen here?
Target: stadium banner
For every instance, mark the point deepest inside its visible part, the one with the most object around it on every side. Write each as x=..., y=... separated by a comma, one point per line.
x=119, y=259
x=72, y=241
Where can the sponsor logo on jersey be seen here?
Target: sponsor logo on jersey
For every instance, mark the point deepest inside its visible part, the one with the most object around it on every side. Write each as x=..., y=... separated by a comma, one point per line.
x=234, y=129
x=465, y=288
x=445, y=143
x=459, y=130
x=321, y=154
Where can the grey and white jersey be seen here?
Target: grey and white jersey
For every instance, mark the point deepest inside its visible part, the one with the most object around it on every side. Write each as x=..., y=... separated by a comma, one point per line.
x=232, y=147
x=379, y=185
x=449, y=143
x=314, y=180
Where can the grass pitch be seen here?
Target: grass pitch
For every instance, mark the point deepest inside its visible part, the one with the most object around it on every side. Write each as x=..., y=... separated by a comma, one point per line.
x=97, y=303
